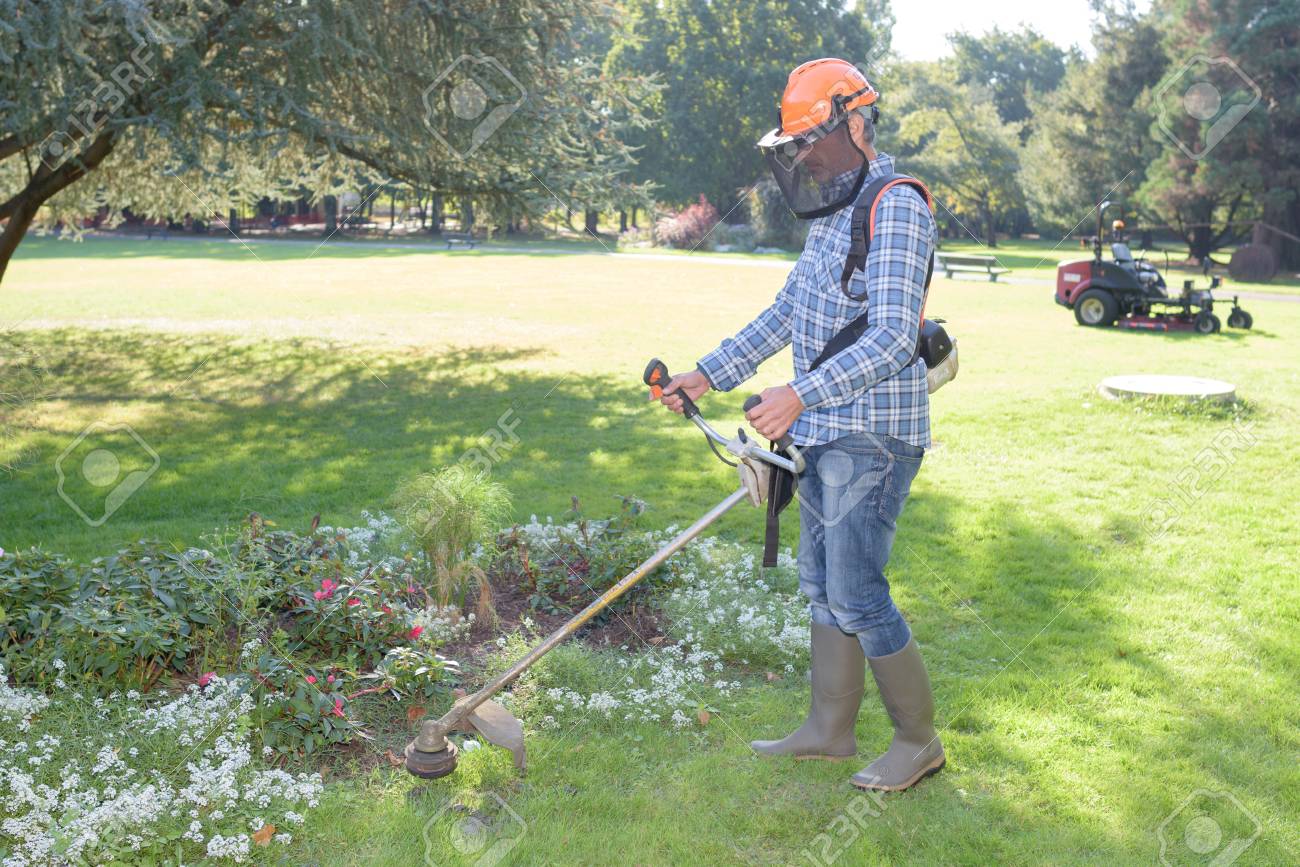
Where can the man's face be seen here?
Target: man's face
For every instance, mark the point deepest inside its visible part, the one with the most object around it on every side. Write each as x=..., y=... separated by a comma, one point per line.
x=833, y=156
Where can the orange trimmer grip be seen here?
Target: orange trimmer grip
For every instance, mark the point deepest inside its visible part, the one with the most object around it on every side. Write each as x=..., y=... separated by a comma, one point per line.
x=656, y=376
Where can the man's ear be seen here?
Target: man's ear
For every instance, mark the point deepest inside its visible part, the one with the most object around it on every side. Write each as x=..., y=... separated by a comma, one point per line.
x=855, y=125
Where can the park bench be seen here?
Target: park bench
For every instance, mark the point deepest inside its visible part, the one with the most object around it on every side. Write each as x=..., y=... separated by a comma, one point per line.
x=459, y=239
x=950, y=263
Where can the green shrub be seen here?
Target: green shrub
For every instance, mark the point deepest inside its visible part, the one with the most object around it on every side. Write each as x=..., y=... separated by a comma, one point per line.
x=354, y=621
x=299, y=708
x=414, y=673
x=737, y=236
x=562, y=563
x=125, y=619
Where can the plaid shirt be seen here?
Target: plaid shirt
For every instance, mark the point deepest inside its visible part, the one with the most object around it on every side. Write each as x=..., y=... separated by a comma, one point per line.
x=868, y=387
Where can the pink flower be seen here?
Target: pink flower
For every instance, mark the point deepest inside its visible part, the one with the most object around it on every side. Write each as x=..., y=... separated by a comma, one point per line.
x=338, y=707
x=206, y=678
x=354, y=601
x=415, y=632
x=320, y=594
x=311, y=678
x=410, y=588
x=329, y=679
x=385, y=609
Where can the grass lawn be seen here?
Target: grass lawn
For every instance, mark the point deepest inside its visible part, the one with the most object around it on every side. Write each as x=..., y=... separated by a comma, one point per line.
x=1106, y=593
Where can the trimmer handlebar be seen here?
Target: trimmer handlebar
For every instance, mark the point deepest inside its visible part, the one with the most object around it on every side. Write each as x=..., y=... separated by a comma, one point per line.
x=786, y=442
x=656, y=376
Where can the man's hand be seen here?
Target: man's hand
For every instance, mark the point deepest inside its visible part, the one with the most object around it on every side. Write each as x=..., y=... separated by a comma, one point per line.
x=773, y=417
x=693, y=383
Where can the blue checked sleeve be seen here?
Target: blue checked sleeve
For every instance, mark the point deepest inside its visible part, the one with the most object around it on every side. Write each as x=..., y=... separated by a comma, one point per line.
x=896, y=267
x=737, y=358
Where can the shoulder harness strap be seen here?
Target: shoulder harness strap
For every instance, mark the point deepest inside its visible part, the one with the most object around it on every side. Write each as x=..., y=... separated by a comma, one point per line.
x=863, y=228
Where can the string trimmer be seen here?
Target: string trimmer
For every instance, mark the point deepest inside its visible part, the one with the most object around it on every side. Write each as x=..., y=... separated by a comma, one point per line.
x=432, y=755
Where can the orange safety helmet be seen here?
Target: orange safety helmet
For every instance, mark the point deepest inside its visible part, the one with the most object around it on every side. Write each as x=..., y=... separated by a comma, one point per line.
x=818, y=97
x=820, y=91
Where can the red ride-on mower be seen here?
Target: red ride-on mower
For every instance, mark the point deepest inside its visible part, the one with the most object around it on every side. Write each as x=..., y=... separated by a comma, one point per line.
x=1132, y=293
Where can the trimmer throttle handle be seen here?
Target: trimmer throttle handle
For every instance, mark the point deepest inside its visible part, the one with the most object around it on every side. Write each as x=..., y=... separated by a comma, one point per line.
x=656, y=376
x=786, y=441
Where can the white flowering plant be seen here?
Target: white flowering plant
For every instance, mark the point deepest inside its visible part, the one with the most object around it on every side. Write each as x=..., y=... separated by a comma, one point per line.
x=747, y=615
x=719, y=607
x=142, y=780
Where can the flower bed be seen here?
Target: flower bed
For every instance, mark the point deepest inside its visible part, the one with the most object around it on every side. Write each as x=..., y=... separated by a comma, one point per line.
x=193, y=678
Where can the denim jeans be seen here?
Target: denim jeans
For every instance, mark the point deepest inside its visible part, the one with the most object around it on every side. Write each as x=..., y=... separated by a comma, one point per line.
x=851, y=493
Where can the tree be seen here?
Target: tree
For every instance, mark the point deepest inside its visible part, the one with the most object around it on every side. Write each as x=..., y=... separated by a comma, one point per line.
x=1091, y=136
x=951, y=136
x=1014, y=64
x=203, y=105
x=723, y=65
x=1227, y=123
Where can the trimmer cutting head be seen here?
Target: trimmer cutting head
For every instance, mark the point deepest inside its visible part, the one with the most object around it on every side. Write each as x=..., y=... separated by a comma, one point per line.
x=431, y=766
x=432, y=754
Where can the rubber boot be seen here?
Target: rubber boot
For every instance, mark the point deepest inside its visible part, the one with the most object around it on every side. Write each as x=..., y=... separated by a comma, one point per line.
x=839, y=675
x=915, y=752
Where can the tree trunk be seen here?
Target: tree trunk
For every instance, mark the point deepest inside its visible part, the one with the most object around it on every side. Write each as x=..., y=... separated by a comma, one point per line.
x=590, y=219
x=331, y=215
x=21, y=210
x=622, y=221
x=990, y=234
x=1287, y=219
x=232, y=221
x=634, y=209
x=435, y=214
x=1201, y=243
x=466, y=216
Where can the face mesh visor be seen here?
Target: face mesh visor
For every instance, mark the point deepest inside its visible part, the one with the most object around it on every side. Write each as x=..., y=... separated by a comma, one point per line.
x=818, y=178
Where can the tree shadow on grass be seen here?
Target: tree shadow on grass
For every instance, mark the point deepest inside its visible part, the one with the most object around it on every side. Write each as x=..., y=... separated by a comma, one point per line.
x=292, y=428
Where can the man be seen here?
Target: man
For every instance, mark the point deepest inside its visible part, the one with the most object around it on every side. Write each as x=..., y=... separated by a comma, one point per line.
x=861, y=418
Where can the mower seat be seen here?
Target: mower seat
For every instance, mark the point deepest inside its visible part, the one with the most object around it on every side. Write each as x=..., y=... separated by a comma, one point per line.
x=1146, y=273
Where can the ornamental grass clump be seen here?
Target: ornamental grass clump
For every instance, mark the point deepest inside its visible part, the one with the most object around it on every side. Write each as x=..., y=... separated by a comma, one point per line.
x=452, y=515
